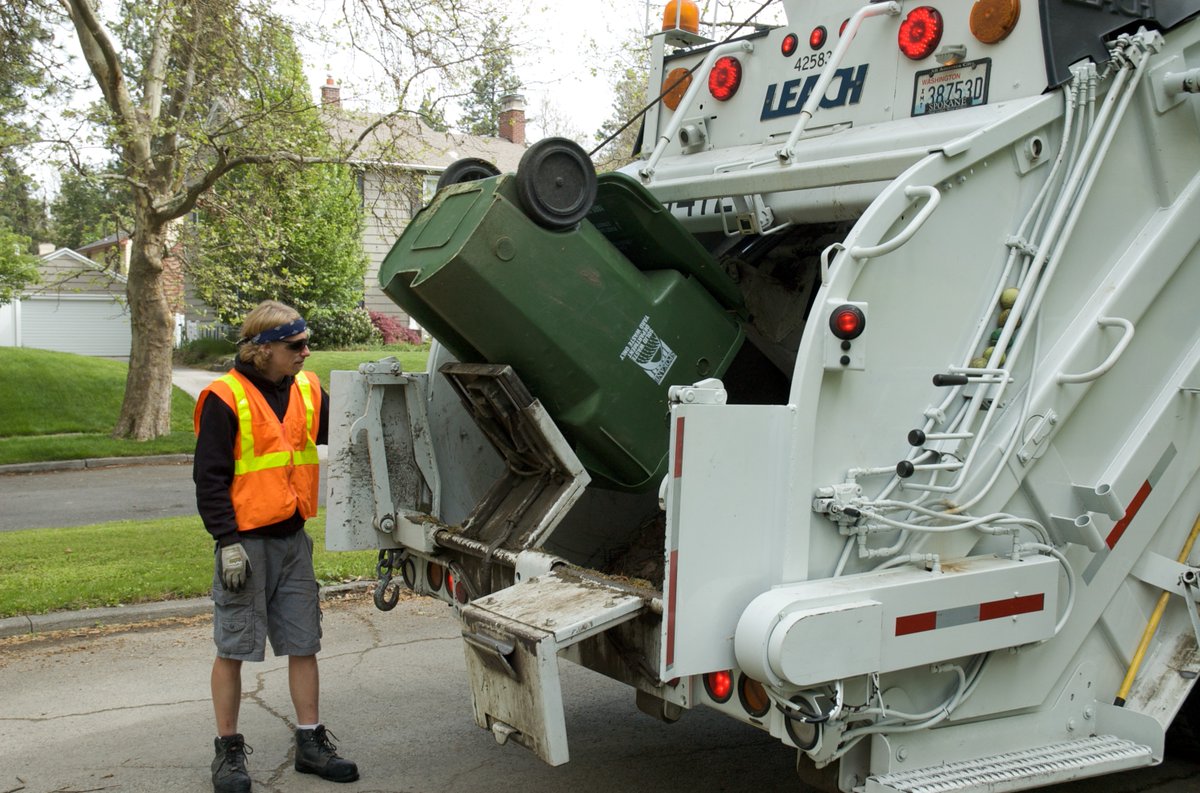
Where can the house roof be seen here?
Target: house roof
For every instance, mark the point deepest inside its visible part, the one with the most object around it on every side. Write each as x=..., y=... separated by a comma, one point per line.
x=66, y=272
x=107, y=242
x=406, y=142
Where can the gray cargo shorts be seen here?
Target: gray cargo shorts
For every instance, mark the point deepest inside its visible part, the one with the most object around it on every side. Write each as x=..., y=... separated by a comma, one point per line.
x=281, y=601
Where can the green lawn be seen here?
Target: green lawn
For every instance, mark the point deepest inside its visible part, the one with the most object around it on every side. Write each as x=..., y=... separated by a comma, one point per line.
x=59, y=406
x=126, y=562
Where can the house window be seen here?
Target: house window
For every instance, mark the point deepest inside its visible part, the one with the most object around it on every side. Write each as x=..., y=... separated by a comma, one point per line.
x=428, y=187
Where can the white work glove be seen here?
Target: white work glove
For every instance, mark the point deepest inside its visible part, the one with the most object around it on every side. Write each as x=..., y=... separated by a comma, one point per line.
x=235, y=567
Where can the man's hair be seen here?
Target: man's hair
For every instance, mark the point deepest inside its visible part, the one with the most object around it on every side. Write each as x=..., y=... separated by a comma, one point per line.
x=267, y=314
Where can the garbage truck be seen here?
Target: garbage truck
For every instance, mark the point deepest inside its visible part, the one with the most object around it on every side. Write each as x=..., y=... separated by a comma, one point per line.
x=863, y=407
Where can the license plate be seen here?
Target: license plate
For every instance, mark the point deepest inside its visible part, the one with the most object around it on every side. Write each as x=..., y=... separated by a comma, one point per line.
x=952, y=87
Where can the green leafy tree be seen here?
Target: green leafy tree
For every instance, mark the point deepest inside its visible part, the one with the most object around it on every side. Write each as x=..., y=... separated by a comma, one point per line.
x=27, y=61
x=433, y=113
x=491, y=77
x=293, y=234
x=193, y=92
x=90, y=205
x=20, y=210
x=619, y=133
x=17, y=268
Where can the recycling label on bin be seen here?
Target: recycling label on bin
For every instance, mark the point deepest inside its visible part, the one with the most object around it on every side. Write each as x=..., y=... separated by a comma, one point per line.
x=647, y=349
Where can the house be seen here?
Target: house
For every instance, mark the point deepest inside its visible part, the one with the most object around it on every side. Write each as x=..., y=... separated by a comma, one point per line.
x=78, y=306
x=398, y=165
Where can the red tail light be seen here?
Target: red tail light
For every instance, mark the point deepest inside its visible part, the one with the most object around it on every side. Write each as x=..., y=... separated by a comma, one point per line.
x=725, y=78
x=920, y=32
x=816, y=39
x=847, y=322
x=789, y=44
x=719, y=685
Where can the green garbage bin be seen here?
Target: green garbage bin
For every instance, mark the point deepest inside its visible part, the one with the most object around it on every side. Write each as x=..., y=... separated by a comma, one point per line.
x=597, y=339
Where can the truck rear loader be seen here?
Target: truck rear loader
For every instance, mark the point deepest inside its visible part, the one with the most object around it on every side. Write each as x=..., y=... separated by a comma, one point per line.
x=862, y=407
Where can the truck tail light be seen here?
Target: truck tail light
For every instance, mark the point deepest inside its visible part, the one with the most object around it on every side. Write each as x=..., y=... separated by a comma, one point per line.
x=675, y=86
x=725, y=78
x=753, y=697
x=816, y=39
x=993, y=20
x=435, y=574
x=719, y=685
x=847, y=322
x=920, y=32
x=789, y=44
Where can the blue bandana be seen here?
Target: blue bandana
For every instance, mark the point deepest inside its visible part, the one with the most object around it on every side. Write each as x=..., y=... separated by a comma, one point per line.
x=279, y=332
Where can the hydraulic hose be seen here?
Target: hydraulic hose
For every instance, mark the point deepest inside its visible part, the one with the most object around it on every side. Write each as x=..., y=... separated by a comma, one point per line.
x=1152, y=625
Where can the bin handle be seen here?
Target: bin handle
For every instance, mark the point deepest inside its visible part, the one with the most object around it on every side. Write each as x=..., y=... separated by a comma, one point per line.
x=1111, y=360
x=932, y=199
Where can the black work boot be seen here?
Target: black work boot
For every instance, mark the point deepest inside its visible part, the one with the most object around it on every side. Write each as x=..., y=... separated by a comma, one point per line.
x=316, y=754
x=229, y=766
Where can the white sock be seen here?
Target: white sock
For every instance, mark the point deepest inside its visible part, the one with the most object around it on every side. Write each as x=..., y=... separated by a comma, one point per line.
x=308, y=726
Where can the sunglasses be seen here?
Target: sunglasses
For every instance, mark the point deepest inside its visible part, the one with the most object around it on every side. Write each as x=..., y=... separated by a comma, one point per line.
x=297, y=345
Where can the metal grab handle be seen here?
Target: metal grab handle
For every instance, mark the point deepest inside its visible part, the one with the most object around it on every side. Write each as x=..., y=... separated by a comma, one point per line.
x=815, y=98
x=1111, y=360
x=933, y=198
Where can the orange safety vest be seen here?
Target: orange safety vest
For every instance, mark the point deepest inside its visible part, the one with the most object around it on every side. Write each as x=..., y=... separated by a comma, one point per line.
x=275, y=466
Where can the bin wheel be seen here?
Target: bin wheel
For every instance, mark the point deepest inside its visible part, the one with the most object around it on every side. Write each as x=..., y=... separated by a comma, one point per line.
x=468, y=169
x=556, y=183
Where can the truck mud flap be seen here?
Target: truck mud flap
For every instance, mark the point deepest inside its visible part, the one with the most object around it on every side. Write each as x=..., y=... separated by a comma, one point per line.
x=512, y=640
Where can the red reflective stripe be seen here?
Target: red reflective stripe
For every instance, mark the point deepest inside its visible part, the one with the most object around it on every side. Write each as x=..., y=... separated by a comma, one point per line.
x=671, y=607
x=1011, y=606
x=679, y=447
x=916, y=623
x=1130, y=513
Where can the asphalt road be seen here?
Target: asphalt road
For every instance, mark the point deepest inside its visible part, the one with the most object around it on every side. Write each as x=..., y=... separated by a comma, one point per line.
x=129, y=710
x=80, y=497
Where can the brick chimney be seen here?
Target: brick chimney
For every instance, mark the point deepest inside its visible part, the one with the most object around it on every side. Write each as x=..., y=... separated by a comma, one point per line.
x=331, y=93
x=512, y=118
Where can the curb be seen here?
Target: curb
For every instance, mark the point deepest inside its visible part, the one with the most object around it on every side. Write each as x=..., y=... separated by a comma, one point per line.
x=98, y=462
x=128, y=615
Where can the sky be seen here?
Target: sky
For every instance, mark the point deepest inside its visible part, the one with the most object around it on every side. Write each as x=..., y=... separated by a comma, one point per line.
x=556, y=63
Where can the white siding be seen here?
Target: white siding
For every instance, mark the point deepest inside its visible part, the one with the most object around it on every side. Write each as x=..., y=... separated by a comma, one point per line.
x=80, y=324
x=388, y=199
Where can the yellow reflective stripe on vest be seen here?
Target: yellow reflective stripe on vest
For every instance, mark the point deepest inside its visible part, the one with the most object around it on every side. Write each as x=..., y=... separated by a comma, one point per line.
x=249, y=461
x=308, y=455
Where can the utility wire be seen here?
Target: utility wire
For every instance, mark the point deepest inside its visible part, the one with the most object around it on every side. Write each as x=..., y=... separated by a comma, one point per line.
x=673, y=85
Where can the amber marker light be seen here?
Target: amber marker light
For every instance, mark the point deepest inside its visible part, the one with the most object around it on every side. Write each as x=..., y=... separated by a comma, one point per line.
x=993, y=20
x=675, y=86
x=753, y=697
x=435, y=574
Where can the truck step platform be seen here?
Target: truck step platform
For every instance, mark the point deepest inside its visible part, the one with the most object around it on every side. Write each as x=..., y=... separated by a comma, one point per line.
x=1062, y=762
x=512, y=640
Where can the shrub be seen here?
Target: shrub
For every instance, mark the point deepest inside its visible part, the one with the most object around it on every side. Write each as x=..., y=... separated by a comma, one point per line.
x=392, y=331
x=339, y=327
x=204, y=350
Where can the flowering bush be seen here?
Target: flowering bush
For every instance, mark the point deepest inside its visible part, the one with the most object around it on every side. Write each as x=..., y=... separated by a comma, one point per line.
x=340, y=328
x=392, y=331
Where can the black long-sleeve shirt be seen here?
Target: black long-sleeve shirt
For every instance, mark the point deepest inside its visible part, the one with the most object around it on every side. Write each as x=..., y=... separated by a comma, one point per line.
x=212, y=467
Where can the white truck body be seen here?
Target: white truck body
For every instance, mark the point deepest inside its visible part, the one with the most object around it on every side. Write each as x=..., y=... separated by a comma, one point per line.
x=926, y=555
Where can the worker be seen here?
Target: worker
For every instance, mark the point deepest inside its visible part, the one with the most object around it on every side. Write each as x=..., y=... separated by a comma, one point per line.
x=257, y=473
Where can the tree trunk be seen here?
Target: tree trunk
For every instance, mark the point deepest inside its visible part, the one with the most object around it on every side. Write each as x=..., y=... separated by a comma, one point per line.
x=146, y=411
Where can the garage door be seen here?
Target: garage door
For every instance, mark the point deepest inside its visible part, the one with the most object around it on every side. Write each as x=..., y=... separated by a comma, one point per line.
x=81, y=324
